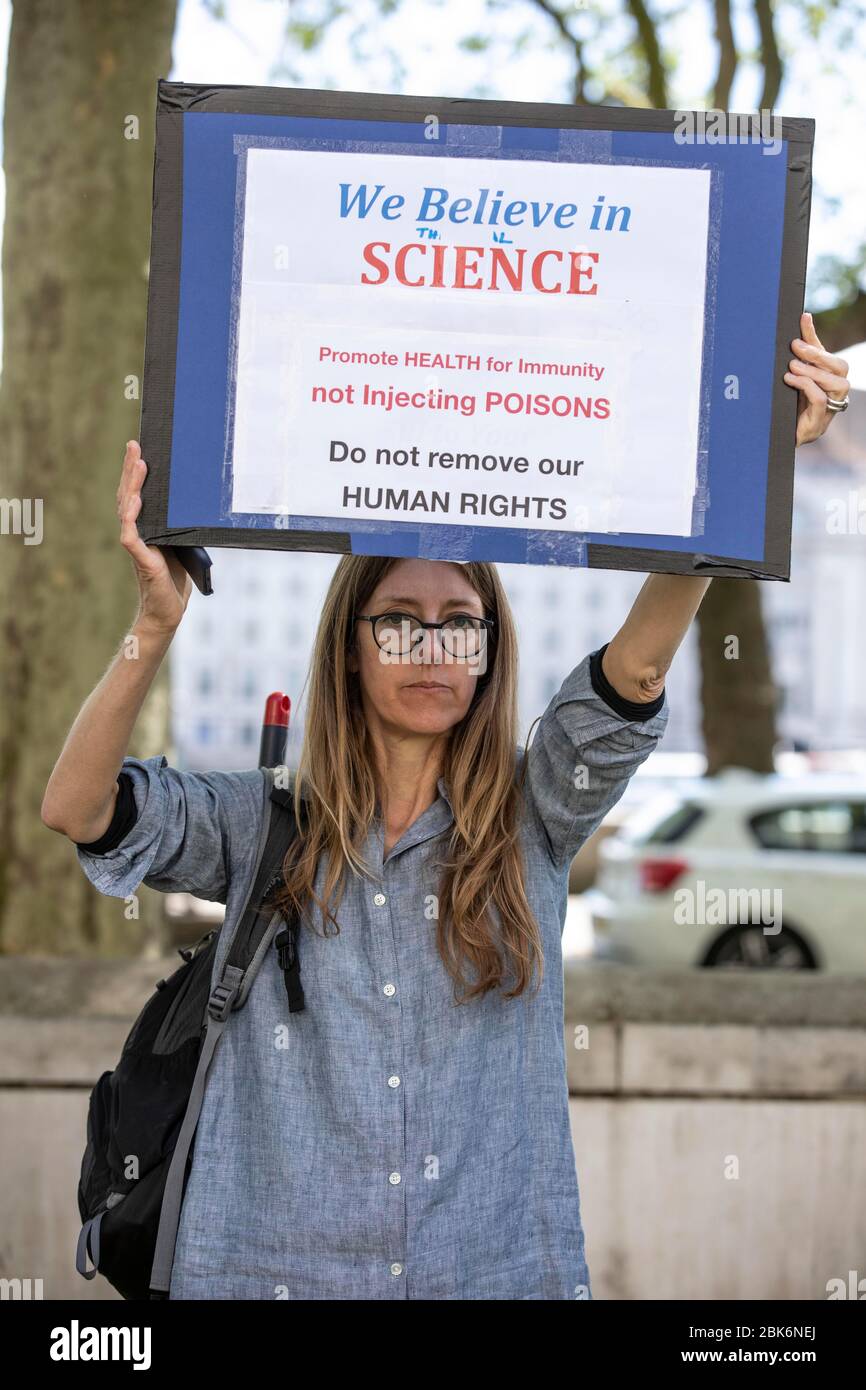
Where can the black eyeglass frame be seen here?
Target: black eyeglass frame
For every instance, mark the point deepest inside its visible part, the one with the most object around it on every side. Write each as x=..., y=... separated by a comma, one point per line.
x=487, y=624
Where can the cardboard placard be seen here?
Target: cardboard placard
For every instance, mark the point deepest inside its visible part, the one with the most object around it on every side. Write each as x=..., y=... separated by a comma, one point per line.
x=466, y=330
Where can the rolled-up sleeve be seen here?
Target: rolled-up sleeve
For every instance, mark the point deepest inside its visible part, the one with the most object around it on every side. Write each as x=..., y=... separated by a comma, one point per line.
x=582, y=757
x=181, y=841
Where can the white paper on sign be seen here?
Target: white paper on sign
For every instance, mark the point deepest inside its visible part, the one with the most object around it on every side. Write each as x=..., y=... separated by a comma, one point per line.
x=454, y=395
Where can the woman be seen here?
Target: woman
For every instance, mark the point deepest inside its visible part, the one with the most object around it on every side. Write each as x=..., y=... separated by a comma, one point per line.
x=407, y=1134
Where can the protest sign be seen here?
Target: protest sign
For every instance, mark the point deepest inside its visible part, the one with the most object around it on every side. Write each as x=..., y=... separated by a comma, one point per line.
x=473, y=329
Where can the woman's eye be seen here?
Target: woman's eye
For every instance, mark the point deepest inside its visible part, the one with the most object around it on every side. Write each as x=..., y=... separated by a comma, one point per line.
x=463, y=620
x=396, y=621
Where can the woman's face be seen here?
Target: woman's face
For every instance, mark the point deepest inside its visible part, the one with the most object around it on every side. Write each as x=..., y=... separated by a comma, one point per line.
x=427, y=692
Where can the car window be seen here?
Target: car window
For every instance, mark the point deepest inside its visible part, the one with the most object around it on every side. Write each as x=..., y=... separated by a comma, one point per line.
x=663, y=821
x=834, y=827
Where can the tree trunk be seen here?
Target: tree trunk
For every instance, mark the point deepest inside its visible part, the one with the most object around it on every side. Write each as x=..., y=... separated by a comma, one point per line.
x=843, y=325
x=738, y=695
x=77, y=234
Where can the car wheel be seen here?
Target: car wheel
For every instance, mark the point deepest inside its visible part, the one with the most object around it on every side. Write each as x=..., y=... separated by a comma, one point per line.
x=748, y=946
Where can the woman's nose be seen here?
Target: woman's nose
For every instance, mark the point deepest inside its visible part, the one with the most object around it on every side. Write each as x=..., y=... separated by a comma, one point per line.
x=429, y=649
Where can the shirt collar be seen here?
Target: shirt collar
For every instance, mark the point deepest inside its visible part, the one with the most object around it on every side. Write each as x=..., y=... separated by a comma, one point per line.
x=438, y=816
x=443, y=792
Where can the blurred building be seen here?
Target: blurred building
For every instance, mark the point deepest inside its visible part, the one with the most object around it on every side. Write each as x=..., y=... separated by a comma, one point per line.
x=816, y=622
x=255, y=634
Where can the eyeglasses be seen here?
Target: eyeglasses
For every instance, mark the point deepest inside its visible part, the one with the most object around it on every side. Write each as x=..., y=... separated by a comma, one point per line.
x=463, y=636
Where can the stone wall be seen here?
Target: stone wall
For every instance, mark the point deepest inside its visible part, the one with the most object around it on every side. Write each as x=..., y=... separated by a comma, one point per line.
x=719, y=1123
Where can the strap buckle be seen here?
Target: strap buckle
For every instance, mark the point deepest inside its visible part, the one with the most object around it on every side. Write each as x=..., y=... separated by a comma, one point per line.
x=287, y=953
x=286, y=943
x=219, y=1006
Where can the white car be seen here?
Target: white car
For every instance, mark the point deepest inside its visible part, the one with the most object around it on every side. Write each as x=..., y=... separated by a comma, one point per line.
x=739, y=870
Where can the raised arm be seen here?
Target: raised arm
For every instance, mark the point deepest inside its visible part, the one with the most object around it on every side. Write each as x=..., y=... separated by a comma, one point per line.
x=140, y=821
x=637, y=659
x=607, y=718
x=82, y=790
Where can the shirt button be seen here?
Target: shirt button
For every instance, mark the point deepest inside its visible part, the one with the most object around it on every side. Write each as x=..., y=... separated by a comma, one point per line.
x=379, y=899
x=396, y=1269
x=393, y=1179
x=393, y=1081
x=389, y=990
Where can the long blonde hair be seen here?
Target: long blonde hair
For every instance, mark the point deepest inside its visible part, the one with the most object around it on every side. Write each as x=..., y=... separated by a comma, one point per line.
x=335, y=793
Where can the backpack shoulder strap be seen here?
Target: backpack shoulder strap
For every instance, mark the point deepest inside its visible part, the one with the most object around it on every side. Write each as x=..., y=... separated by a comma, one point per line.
x=246, y=951
x=286, y=940
x=251, y=936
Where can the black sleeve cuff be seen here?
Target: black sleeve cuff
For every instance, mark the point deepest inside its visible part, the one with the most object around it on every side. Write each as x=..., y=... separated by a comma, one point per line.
x=124, y=818
x=629, y=709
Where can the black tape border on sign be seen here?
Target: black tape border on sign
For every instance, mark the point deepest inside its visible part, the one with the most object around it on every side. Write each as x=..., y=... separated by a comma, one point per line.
x=157, y=412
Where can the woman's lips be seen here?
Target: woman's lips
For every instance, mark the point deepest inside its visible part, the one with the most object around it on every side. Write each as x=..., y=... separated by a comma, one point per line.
x=427, y=685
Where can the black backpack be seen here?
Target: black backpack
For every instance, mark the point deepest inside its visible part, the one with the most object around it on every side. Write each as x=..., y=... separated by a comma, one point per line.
x=148, y=1107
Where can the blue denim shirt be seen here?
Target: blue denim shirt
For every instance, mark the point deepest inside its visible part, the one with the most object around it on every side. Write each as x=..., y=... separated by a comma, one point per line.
x=385, y=1143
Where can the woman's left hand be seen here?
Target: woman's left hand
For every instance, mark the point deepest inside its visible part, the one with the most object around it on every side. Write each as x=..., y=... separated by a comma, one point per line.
x=817, y=374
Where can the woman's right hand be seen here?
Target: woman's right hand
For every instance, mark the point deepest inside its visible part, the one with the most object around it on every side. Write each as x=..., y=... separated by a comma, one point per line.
x=163, y=584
